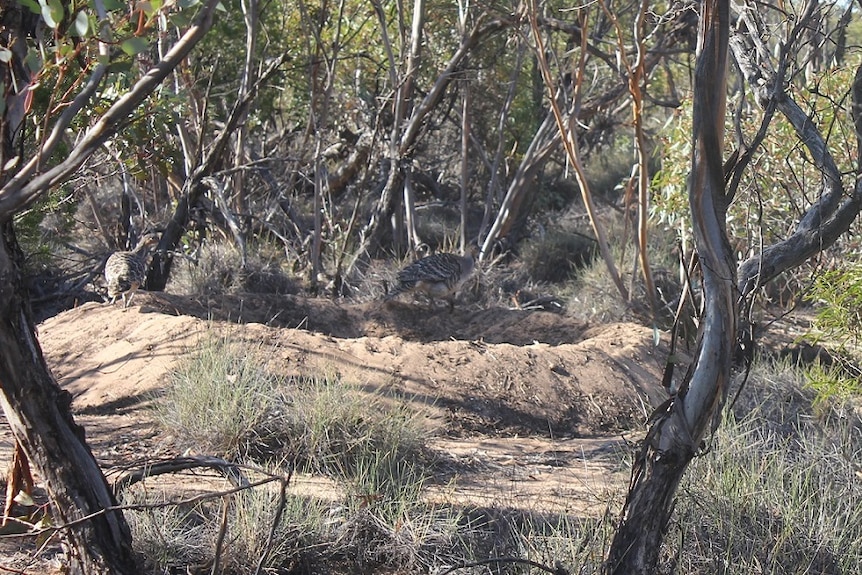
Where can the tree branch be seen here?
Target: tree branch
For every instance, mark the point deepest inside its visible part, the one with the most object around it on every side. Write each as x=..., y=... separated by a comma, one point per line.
x=21, y=191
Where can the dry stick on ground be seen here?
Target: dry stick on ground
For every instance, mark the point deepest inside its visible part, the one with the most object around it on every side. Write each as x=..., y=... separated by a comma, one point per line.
x=231, y=471
x=34, y=532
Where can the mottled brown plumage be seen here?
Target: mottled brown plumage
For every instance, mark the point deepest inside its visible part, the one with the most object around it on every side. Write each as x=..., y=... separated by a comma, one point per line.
x=126, y=271
x=438, y=276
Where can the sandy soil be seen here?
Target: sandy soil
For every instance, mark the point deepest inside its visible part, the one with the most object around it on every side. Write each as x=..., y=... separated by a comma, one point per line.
x=532, y=407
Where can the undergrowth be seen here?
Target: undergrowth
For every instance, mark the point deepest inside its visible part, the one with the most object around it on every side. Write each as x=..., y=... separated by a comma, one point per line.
x=226, y=399
x=778, y=491
x=775, y=493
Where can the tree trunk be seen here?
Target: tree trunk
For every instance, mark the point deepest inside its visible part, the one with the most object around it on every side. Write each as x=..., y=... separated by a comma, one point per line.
x=38, y=412
x=677, y=431
x=160, y=268
x=371, y=233
x=544, y=143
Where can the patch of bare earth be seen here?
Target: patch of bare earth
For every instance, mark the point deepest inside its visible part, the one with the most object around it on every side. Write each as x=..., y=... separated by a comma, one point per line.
x=529, y=408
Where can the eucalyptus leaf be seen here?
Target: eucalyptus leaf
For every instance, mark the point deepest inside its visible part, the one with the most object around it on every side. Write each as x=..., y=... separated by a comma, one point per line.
x=57, y=12
x=47, y=15
x=33, y=60
x=134, y=46
x=32, y=5
x=81, y=24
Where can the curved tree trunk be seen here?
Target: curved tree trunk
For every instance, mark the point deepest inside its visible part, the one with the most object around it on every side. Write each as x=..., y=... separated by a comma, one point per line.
x=679, y=426
x=96, y=541
x=678, y=429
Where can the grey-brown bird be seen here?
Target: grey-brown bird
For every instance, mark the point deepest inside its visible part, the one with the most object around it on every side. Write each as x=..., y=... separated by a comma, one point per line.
x=126, y=271
x=438, y=276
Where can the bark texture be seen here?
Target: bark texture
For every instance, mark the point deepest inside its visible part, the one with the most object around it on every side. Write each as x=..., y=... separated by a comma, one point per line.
x=38, y=412
x=678, y=429
x=96, y=541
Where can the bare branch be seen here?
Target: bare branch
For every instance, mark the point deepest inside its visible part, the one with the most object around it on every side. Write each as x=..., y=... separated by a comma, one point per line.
x=831, y=215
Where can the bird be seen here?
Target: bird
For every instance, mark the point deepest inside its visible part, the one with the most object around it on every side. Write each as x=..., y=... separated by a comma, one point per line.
x=126, y=271
x=436, y=276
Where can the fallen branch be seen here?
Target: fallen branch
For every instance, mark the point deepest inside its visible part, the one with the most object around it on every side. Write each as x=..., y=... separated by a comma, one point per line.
x=231, y=471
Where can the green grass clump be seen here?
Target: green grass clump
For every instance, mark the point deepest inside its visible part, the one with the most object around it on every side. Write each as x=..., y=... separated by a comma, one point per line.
x=225, y=400
x=299, y=528
x=216, y=269
x=340, y=431
x=167, y=537
x=576, y=543
x=219, y=399
x=779, y=491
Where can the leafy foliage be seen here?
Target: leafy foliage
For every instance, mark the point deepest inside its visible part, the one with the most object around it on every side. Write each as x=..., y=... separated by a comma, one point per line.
x=782, y=181
x=839, y=317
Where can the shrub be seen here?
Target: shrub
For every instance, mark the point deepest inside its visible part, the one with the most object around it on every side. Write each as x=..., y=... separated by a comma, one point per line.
x=219, y=399
x=778, y=491
x=556, y=255
x=839, y=318
x=217, y=269
x=225, y=398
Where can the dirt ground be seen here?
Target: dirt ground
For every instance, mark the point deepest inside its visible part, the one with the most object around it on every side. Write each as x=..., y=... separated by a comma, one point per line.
x=535, y=408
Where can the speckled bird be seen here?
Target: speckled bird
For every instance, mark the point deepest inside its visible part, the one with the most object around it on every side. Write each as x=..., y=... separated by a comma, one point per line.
x=438, y=276
x=126, y=271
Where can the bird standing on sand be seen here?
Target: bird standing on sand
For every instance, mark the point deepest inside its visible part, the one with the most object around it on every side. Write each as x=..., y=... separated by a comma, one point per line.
x=125, y=272
x=438, y=276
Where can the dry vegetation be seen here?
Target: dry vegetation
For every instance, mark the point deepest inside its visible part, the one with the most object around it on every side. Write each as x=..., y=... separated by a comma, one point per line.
x=394, y=473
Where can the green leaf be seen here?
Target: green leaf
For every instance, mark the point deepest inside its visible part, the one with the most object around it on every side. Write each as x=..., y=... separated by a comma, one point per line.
x=34, y=6
x=81, y=24
x=114, y=5
x=47, y=15
x=120, y=66
x=55, y=7
x=134, y=46
x=33, y=60
x=180, y=19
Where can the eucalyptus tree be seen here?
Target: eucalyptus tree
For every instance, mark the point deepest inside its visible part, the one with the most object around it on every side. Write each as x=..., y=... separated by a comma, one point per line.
x=59, y=60
x=830, y=203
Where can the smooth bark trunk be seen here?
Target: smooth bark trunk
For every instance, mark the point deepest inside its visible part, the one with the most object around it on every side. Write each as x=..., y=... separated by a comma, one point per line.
x=679, y=428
